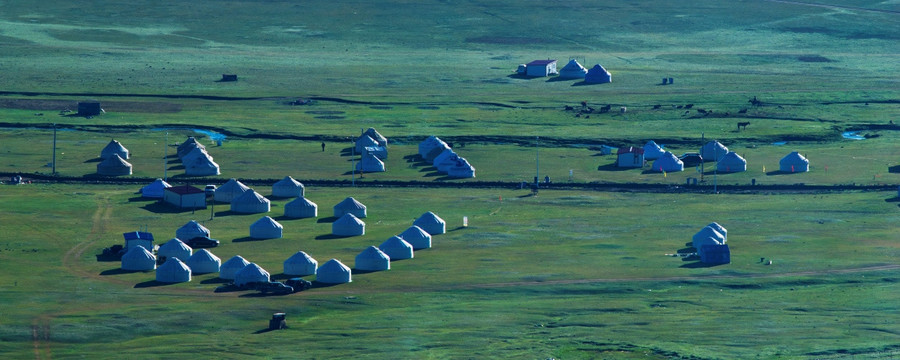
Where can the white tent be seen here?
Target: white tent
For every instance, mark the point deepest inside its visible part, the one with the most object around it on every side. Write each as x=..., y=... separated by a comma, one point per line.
x=187, y=146
x=114, y=148
x=707, y=232
x=301, y=208
x=300, y=264
x=598, y=75
x=652, y=151
x=114, y=166
x=250, y=202
x=794, y=162
x=364, y=141
x=396, y=248
x=432, y=147
x=175, y=248
x=333, y=272
x=418, y=238
x=155, y=189
x=442, y=156
x=372, y=259
x=731, y=162
x=572, y=70
x=431, y=223
x=138, y=259
x=375, y=135
x=231, y=267
x=447, y=163
x=204, y=262
x=250, y=274
x=370, y=163
x=230, y=190
x=173, y=271
x=379, y=151
x=461, y=169
x=287, y=187
x=191, y=230
x=194, y=154
x=350, y=206
x=348, y=225
x=719, y=228
x=713, y=151
x=705, y=243
x=202, y=166
x=668, y=162
x=266, y=228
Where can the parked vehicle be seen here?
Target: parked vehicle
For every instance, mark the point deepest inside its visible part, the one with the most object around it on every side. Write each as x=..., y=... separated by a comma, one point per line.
x=202, y=242
x=273, y=287
x=691, y=159
x=210, y=190
x=299, y=284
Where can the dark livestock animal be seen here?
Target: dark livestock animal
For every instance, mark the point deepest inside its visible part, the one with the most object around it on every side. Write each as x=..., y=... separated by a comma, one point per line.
x=743, y=125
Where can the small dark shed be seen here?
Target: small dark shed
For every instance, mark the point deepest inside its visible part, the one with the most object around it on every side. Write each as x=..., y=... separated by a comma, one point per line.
x=89, y=108
x=715, y=254
x=229, y=77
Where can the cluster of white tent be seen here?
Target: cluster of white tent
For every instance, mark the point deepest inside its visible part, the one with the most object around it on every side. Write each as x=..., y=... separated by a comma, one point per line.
x=180, y=261
x=372, y=147
x=596, y=75
x=710, y=243
x=113, y=160
x=445, y=159
x=196, y=160
x=348, y=213
x=242, y=198
x=713, y=151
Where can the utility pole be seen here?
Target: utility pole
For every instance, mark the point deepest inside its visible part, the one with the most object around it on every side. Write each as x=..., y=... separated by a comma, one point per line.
x=166, y=155
x=352, y=163
x=702, y=160
x=537, y=161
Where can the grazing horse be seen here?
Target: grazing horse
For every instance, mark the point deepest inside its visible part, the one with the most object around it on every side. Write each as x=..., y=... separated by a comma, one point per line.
x=742, y=125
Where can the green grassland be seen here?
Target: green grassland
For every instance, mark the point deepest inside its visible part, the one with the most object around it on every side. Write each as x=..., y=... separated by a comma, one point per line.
x=565, y=274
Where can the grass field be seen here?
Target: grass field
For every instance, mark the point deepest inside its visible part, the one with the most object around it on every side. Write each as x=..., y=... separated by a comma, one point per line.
x=565, y=274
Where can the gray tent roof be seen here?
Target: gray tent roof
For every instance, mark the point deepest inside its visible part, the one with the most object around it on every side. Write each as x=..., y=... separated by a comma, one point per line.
x=397, y=248
x=287, y=187
x=173, y=271
x=175, y=248
x=301, y=208
x=203, y=262
x=191, y=230
x=431, y=223
x=372, y=259
x=232, y=266
x=333, y=272
x=350, y=206
x=300, y=264
x=418, y=238
x=113, y=166
x=251, y=273
x=114, y=147
x=138, y=259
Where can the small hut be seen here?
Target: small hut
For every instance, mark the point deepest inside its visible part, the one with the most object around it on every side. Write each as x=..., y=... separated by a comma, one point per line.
x=138, y=259
x=396, y=248
x=418, y=238
x=794, y=162
x=713, y=151
x=333, y=272
x=431, y=223
x=266, y=228
x=300, y=264
x=185, y=197
x=350, y=206
x=251, y=273
x=348, y=225
x=572, y=70
x=89, y=108
x=597, y=75
x=155, y=190
x=175, y=248
x=372, y=259
x=287, y=187
x=250, y=202
x=114, y=166
x=232, y=266
x=204, y=262
x=301, y=208
x=191, y=230
x=113, y=148
x=173, y=271
x=230, y=190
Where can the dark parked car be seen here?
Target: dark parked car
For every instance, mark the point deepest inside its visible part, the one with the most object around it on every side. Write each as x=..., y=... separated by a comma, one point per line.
x=691, y=159
x=299, y=284
x=272, y=287
x=202, y=242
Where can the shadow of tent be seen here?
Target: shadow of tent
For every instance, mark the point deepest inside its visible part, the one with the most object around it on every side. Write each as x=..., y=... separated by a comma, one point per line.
x=159, y=207
x=174, y=161
x=582, y=83
x=282, y=276
x=457, y=228
x=177, y=167
x=698, y=264
x=97, y=159
x=152, y=283
x=520, y=76
x=347, y=151
x=651, y=171
x=526, y=195
x=119, y=271
x=428, y=168
x=433, y=174
x=263, y=331
x=894, y=169
x=686, y=250
x=246, y=239
x=318, y=285
x=261, y=295
x=228, y=213
x=141, y=199
x=893, y=199
x=108, y=258
x=364, y=272
x=779, y=172
x=216, y=280
x=557, y=79
x=329, y=219
x=448, y=178
x=333, y=237
x=612, y=167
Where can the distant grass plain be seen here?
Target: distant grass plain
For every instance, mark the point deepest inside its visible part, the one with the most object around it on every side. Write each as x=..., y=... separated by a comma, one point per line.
x=565, y=274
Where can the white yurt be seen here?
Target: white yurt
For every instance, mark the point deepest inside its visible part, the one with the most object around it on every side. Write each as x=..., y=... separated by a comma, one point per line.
x=287, y=187
x=731, y=162
x=375, y=135
x=187, y=146
x=431, y=223
x=713, y=151
x=598, y=75
x=572, y=70
x=418, y=238
x=333, y=272
x=175, y=248
x=301, y=208
x=396, y=248
x=250, y=274
x=443, y=156
x=114, y=148
x=138, y=259
x=195, y=154
x=372, y=259
x=202, y=166
x=793, y=162
x=231, y=267
x=114, y=166
x=668, y=162
x=379, y=151
x=652, y=151
x=266, y=228
x=191, y=230
x=250, y=202
x=348, y=225
x=705, y=243
x=706, y=232
x=230, y=190
x=173, y=271
x=300, y=264
x=719, y=228
x=364, y=141
x=204, y=262
x=447, y=163
x=350, y=206
x=461, y=169
x=370, y=163
x=432, y=147
x=155, y=189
